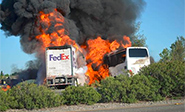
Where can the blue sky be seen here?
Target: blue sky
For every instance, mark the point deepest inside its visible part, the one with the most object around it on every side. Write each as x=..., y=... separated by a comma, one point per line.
x=162, y=21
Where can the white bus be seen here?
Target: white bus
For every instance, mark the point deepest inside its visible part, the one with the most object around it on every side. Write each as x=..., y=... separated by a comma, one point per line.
x=130, y=59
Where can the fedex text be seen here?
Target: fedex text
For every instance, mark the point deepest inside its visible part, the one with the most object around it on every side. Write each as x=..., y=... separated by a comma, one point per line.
x=58, y=58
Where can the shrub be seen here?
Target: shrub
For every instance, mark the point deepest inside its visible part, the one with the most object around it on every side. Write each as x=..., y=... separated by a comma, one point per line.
x=32, y=96
x=116, y=90
x=170, y=76
x=129, y=89
x=146, y=88
x=128, y=95
x=5, y=100
x=80, y=95
x=110, y=90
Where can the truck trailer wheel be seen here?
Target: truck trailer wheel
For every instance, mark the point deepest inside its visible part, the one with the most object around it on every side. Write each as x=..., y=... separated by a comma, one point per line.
x=75, y=82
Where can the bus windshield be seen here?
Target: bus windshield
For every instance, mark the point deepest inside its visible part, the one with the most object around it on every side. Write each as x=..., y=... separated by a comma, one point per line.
x=138, y=53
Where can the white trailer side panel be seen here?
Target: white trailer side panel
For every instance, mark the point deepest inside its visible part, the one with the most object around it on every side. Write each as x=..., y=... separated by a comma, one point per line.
x=59, y=62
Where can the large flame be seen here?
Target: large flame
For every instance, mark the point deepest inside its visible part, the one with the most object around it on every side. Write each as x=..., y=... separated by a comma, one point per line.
x=59, y=35
x=96, y=48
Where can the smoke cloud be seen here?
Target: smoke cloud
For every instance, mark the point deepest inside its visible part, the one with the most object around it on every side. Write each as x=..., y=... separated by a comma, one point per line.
x=84, y=19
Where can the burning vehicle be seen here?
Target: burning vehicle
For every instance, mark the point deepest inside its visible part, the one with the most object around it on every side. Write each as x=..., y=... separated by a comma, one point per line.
x=67, y=66
x=130, y=59
x=5, y=84
x=92, y=27
x=64, y=66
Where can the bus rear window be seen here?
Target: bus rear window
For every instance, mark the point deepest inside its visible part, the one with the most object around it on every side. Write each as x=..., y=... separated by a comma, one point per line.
x=138, y=53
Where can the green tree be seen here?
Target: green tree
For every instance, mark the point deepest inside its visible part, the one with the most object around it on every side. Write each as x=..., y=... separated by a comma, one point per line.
x=178, y=49
x=170, y=76
x=6, y=75
x=138, y=39
x=176, y=52
x=165, y=55
x=1, y=73
x=152, y=60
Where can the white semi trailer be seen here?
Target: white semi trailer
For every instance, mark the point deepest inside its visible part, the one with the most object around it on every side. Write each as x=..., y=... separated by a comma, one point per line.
x=61, y=65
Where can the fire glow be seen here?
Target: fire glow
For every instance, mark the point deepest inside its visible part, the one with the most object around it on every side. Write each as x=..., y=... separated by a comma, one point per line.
x=95, y=48
x=58, y=37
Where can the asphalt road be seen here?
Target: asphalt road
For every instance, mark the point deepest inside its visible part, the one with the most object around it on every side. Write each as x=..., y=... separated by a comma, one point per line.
x=160, y=108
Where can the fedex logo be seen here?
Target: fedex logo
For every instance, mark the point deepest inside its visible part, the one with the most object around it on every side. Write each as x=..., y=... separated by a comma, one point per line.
x=58, y=58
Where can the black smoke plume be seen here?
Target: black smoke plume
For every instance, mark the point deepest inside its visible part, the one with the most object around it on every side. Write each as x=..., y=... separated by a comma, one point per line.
x=84, y=19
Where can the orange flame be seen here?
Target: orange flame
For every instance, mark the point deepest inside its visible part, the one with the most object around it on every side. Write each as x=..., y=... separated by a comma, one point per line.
x=127, y=42
x=6, y=88
x=96, y=48
x=59, y=36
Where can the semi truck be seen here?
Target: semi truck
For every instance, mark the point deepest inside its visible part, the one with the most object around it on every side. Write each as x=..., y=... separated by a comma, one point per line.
x=61, y=65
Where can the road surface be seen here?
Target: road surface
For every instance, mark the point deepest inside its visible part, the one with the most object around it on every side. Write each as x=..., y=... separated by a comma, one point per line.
x=159, y=108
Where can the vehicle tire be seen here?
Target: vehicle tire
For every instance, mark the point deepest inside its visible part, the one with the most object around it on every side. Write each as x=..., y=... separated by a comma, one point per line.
x=75, y=82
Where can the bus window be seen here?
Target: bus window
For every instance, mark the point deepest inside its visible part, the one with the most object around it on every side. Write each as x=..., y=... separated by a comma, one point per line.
x=138, y=53
x=121, y=57
x=115, y=58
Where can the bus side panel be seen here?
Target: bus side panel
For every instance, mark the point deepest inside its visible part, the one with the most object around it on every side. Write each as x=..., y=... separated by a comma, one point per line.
x=118, y=69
